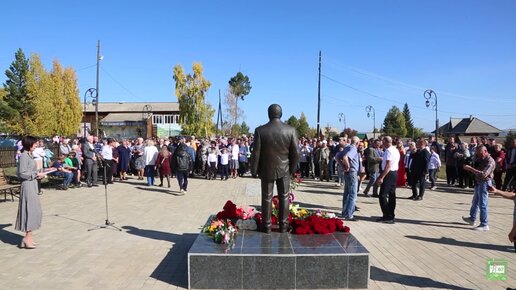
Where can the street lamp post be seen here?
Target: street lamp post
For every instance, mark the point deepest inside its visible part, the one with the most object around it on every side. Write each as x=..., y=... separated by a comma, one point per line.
x=429, y=94
x=371, y=114
x=89, y=93
x=342, y=118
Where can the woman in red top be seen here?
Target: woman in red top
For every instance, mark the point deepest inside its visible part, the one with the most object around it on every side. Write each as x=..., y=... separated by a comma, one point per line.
x=499, y=157
x=402, y=179
x=163, y=165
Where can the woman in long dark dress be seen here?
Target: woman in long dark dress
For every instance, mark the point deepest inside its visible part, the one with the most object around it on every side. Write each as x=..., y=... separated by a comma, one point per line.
x=124, y=156
x=29, y=214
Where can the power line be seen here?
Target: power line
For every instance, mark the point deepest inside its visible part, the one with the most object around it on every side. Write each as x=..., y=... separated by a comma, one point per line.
x=117, y=82
x=400, y=102
x=90, y=66
x=338, y=65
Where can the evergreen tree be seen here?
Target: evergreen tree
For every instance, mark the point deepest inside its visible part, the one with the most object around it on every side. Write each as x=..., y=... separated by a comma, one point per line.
x=304, y=128
x=17, y=107
x=244, y=128
x=195, y=115
x=394, y=123
x=409, y=124
x=292, y=121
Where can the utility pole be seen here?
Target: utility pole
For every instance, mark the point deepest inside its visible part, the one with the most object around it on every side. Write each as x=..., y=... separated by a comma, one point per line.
x=319, y=99
x=219, y=114
x=97, y=90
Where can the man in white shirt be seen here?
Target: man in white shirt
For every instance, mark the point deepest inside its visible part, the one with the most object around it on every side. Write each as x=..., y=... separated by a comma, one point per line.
x=107, y=155
x=387, y=180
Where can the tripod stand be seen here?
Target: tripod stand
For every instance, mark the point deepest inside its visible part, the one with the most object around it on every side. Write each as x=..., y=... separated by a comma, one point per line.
x=108, y=224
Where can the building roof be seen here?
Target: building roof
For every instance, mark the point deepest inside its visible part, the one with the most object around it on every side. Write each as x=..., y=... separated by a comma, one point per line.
x=469, y=125
x=123, y=117
x=134, y=107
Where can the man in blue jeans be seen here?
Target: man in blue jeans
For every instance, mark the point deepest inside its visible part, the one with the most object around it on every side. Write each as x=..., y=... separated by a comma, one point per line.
x=349, y=159
x=182, y=164
x=63, y=171
x=483, y=171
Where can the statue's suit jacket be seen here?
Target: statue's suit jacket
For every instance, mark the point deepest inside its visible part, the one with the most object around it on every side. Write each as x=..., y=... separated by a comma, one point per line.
x=275, y=153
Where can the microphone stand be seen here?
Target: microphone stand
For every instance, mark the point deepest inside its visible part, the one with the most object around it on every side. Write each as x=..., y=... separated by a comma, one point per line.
x=107, y=224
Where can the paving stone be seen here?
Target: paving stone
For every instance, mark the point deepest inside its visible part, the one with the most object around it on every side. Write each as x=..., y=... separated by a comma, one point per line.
x=429, y=246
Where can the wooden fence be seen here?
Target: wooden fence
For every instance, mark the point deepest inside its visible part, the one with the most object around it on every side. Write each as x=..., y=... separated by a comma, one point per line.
x=8, y=155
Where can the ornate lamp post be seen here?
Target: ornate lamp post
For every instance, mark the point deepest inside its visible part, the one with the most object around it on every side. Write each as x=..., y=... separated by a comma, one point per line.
x=89, y=93
x=431, y=100
x=342, y=118
x=371, y=114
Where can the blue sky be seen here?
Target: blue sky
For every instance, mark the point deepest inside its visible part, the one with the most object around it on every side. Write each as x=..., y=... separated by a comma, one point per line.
x=379, y=53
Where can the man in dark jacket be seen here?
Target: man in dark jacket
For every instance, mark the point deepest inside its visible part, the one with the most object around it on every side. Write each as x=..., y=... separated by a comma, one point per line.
x=182, y=164
x=419, y=169
x=275, y=158
x=373, y=160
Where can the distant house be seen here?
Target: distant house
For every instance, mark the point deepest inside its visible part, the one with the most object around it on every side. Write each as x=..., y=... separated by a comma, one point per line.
x=468, y=127
x=133, y=119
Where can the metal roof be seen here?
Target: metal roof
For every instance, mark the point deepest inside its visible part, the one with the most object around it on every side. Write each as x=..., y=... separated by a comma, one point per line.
x=133, y=107
x=123, y=117
x=469, y=125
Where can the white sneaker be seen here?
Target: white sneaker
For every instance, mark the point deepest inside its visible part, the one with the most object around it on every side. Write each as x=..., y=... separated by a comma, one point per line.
x=184, y=191
x=434, y=188
x=468, y=220
x=482, y=228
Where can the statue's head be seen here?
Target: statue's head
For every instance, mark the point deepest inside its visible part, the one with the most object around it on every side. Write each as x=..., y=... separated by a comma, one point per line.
x=275, y=111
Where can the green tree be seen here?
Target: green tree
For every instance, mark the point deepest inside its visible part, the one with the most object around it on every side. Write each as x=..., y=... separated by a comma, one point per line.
x=17, y=107
x=3, y=126
x=244, y=128
x=239, y=87
x=303, y=129
x=195, y=115
x=292, y=121
x=418, y=132
x=394, y=123
x=409, y=123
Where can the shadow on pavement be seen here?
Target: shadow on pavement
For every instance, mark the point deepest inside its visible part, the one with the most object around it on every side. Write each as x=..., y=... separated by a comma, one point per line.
x=454, y=242
x=8, y=237
x=173, y=269
x=378, y=274
x=157, y=189
x=454, y=225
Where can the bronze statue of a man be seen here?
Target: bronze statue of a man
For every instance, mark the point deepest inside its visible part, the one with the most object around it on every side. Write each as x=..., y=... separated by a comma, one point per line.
x=274, y=159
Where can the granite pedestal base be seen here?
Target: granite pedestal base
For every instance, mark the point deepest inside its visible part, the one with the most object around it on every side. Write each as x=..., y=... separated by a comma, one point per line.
x=270, y=261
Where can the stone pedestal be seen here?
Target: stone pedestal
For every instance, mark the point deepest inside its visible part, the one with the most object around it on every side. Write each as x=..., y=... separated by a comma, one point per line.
x=270, y=261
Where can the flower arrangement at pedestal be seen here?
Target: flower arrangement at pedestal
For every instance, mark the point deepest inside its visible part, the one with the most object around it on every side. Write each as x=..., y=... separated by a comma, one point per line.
x=223, y=231
x=224, y=227
x=304, y=221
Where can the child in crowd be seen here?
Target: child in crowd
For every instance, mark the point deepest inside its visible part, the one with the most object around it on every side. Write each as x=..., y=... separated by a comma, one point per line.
x=212, y=163
x=224, y=164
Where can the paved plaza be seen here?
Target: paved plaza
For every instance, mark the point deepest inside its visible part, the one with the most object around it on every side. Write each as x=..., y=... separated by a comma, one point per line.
x=428, y=247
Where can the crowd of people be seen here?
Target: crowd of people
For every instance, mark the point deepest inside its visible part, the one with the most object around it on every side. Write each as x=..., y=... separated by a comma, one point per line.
x=386, y=163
